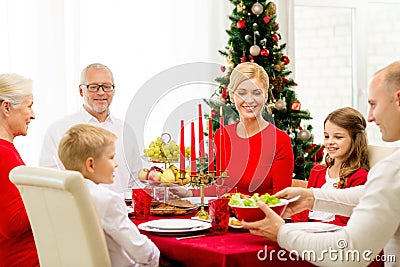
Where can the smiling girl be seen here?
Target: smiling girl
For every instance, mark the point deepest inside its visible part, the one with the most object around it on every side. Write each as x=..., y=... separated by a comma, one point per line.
x=346, y=161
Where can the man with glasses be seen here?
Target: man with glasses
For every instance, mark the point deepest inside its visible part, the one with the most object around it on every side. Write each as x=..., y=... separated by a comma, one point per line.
x=97, y=89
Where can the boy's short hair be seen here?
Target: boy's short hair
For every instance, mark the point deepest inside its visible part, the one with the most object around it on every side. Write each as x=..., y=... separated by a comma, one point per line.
x=81, y=142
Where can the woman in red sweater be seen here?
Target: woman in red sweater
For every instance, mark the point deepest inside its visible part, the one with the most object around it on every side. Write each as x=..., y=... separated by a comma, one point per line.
x=17, y=246
x=346, y=162
x=258, y=157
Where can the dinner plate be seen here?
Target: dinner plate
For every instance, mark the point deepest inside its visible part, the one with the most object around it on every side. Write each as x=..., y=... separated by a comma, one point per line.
x=174, y=224
x=200, y=226
x=197, y=200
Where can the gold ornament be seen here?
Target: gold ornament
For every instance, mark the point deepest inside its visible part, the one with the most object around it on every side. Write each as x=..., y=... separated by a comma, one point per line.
x=270, y=10
x=230, y=64
x=270, y=106
x=240, y=7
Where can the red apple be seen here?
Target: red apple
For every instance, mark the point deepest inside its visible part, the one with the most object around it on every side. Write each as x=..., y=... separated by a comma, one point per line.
x=155, y=174
x=143, y=173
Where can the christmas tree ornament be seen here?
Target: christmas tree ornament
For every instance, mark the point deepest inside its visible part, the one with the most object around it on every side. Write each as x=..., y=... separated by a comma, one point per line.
x=279, y=65
x=277, y=83
x=255, y=26
x=280, y=105
x=240, y=7
x=230, y=64
x=304, y=135
x=263, y=42
x=266, y=20
x=257, y=9
x=275, y=26
x=256, y=33
x=222, y=68
x=286, y=60
x=241, y=24
x=243, y=59
x=275, y=37
x=270, y=10
x=296, y=105
x=248, y=37
x=270, y=106
x=255, y=50
x=264, y=52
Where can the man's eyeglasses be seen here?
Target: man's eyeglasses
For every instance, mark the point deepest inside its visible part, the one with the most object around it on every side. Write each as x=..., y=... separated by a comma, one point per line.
x=95, y=87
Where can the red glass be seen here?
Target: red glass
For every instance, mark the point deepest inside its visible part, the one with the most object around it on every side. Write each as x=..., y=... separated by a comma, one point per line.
x=141, y=202
x=219, y=214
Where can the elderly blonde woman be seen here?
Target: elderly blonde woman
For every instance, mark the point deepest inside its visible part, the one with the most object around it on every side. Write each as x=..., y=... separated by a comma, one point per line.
x=17, y=246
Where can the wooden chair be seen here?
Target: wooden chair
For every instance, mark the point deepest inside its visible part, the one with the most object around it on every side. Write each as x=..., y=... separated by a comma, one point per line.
x=63, y=218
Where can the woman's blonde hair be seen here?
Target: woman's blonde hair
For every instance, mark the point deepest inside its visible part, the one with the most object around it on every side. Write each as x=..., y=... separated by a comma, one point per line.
x=14, y=88
x=354, y=122
x=245, y=71
x=81, y=142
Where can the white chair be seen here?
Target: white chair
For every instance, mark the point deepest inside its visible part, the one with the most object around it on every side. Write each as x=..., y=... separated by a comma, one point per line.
x=63, y=218
x=377, y=153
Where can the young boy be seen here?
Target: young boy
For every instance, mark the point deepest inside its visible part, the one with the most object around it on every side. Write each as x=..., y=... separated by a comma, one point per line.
x=90, y=150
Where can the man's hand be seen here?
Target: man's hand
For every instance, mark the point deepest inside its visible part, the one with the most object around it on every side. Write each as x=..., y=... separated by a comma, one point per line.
x=267, y=227
x=305, y=202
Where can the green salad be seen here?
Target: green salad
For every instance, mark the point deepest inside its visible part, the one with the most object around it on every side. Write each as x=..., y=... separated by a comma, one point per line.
x=238, y=200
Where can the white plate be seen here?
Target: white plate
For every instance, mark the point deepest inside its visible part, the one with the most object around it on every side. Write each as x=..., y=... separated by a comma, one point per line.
x=174, y=224
x=200, y=227
x=197, y=200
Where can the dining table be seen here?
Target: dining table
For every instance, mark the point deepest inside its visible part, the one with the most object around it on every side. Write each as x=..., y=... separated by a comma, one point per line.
x=237, y=247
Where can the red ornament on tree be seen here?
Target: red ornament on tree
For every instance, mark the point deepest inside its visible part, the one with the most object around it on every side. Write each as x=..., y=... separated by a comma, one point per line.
x=266, y=20
x=286, y=60
x=264, y=52
x=275, y=37
x=243, y=59
x=285, y=80
x=296, y=105
x=223, y=68
x=241, y=24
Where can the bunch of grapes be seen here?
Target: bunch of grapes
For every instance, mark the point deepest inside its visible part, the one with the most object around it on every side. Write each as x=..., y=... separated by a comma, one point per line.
x=160, y=151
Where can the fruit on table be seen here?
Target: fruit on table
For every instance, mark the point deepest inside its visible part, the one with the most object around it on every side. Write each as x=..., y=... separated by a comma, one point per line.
x=143, y=173
x=160, y=151
x=155, y=174
x=168, y=176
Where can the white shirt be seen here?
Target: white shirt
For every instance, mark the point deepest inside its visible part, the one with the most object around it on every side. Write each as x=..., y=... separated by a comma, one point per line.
x=127, y=247
x=322, y=215
x=127, y=151
x=374, y=223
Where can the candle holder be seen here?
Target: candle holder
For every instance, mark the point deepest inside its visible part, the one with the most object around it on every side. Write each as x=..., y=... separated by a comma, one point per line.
x=202, y=179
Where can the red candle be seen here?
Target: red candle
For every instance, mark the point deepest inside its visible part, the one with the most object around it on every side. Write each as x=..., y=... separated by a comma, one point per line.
x=192, y=151
x=201, y=133
x=182, y=149
x=220, y=160
x=210, y=146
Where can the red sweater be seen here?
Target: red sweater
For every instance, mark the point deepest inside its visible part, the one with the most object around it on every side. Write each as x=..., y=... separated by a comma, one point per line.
x=262, y=163
x=17, y=246
x=317, y=180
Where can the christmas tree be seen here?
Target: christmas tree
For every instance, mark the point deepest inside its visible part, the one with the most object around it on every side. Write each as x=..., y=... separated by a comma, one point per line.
x=254, y=37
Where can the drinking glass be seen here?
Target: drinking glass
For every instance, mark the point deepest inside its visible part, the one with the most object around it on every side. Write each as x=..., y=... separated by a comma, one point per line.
x=219, y=214
x=141, y=202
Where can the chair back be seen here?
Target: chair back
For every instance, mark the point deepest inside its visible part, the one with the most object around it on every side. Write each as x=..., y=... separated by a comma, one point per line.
x=377, y=153
x=63, y=218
